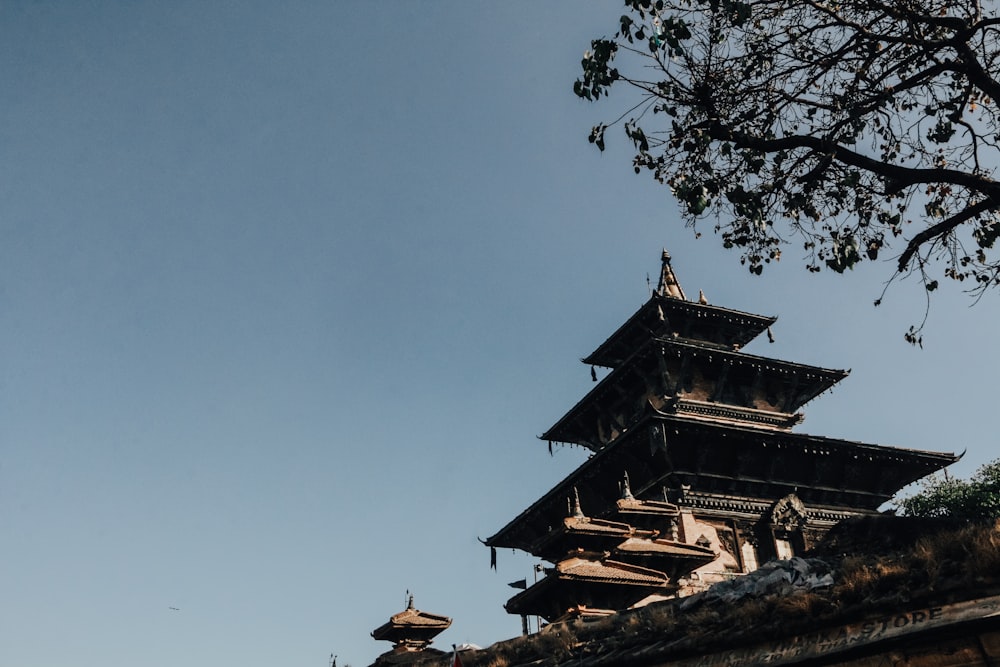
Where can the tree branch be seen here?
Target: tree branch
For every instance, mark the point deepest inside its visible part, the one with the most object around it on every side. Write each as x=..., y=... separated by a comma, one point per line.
x=940, y=229
x=899, y=177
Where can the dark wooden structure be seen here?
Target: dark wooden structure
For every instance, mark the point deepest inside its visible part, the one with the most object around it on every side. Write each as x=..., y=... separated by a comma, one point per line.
x=715, y=483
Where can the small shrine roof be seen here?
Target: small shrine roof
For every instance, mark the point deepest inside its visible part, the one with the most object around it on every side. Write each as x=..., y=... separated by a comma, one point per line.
x=608, y=571
x=662, y=547
x=585, y=580
x=674, y=558
x=415, y=618
x=596, y=526
x=412, y=624
x=653, y=507
x=577, y=531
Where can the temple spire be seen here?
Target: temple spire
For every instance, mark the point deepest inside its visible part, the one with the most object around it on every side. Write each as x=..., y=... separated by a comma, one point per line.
x=668, y=285
x=627, y=490
x=577, y=510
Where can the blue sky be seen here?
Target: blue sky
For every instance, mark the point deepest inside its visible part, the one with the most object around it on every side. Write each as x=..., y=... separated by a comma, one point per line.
x=288, y=291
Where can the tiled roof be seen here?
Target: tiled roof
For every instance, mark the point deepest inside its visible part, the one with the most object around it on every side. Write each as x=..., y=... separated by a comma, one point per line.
x=589, y=525
x=627, y=384
x=585, y=533
x=412, y=627
x=824, y=472
x=665, y=547
x=609, y=571
x=410, y=617
x=647, y=507
x=585, y=579
x=662, y=314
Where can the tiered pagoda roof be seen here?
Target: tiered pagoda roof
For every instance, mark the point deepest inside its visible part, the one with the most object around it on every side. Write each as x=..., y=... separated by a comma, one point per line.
x=672, y=557
x=668, y=312
x=411, y=629
x=687, y=417
x=582, y=531
x=590, y=581
x=729, y=466
x=690, y=377
x=684, y=358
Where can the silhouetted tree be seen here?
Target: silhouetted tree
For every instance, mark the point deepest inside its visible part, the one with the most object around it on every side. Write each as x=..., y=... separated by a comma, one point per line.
x=857, y=127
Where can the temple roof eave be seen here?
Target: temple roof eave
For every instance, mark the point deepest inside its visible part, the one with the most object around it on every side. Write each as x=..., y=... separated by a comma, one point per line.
x=665, y=548
x=617, y=584
x=818, y=380
x=412, y=626
x=918, y=463
x=598, y=533
x=751, y=325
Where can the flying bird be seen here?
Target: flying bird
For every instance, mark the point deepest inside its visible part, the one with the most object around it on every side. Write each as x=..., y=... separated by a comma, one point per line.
x=173, y=608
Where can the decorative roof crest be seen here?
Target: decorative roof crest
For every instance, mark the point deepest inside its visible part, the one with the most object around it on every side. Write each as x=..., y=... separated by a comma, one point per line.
x=668, y=285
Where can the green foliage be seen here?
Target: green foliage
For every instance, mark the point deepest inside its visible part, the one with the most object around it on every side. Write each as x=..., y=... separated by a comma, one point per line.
x=975, y=499
x=854, y=127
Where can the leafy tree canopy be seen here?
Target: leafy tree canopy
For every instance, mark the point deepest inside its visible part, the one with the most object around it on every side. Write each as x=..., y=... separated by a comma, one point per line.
x=856, y=128
x=975, y=499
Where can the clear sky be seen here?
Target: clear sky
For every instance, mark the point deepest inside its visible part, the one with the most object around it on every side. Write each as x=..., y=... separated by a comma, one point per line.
x=287, y=291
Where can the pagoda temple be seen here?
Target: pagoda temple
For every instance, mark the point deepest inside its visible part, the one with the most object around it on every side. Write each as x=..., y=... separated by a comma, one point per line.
x=410, y=631
x=696, y=474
